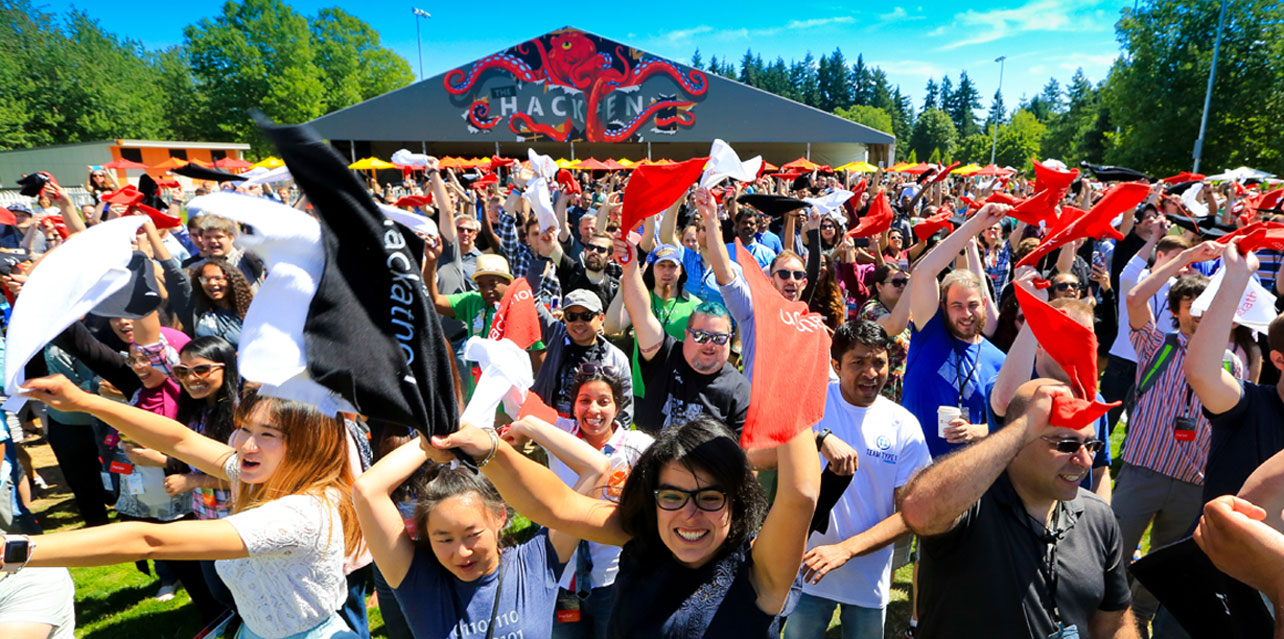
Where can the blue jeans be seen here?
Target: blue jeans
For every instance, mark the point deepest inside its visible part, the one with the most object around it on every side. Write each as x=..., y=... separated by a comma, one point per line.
x=811, y=618
x=595, y=612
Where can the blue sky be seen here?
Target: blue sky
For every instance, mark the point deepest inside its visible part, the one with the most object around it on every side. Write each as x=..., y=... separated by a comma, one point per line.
x=911, y=42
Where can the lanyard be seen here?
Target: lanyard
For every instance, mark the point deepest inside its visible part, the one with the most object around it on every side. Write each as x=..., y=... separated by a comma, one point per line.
x=958, y=368
x=1049, y=536
x=672, y=307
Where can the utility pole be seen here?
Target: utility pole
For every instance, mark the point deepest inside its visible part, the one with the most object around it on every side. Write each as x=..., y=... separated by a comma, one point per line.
x=1208, y=92
x=420, y=13
x=994, y=145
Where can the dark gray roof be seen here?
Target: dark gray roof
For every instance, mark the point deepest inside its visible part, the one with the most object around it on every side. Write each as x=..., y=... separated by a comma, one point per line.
x=548, y=84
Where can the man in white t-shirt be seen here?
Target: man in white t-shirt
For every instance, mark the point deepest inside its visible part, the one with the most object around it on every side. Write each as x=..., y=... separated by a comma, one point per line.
x=848, y=564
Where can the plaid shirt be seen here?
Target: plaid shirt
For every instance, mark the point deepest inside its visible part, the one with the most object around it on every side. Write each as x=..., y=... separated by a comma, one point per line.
x=520, y=256
x=1150, y=442
x=1270, y=261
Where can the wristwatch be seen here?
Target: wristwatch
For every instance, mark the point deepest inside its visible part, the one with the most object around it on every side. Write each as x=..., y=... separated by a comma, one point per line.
x=16, y=553
x=820, y=437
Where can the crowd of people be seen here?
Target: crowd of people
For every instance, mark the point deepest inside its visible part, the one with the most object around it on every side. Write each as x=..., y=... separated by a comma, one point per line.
x=970, y=322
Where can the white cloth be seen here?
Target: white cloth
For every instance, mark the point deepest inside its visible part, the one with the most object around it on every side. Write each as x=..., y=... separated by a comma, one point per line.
x=293, y=578
x=891, y=447
x=831, y=204
x=541, y=201
x=625, y=446
x=405, y=158
x=542, y=165
x=1133, y=272
x=1256, y=307
x=414, y=222
x=1190, y=197
x=40, y=595
x=271, y=350
x=263, y=175
x=504, y=367
x=724, y=163
x=68, y=283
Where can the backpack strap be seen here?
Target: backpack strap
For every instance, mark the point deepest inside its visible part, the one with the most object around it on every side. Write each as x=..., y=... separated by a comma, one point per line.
x=1158, y=363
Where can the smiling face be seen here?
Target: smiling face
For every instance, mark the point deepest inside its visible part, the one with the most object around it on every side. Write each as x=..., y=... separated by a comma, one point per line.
x=828, y=230
x=492, y=288
x=123, y=328
x=217, y=243
x=891, y=289
x=862, y=373
x=595, y=412
x=709, y=357
x=1047, y=474
x=199, y=387
x=580, y=331
x=965, y=311
x=260, y=446
x=150, y=376
x=691, y=534
x=747, y=227
x=791, y=288
x=213, y=282
x=464, y=535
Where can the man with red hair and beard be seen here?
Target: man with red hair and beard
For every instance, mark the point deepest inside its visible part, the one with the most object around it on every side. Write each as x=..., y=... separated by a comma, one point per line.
x=949, y=358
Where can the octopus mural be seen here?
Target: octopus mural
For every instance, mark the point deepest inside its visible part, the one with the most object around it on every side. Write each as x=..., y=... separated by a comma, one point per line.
x=592, y=87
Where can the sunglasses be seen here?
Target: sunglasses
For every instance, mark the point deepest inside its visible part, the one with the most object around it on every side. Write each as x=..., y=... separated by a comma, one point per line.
x=828, y=227
x=704, y=337
x=465, y=230
x=588, y=369
x=1062, y=287
x=898, y=282
x=572, y=316
x=710, y=500
x=597, y=249
x=199, y=371
x=138, y=360
x=786, y=274
x=1071, y=446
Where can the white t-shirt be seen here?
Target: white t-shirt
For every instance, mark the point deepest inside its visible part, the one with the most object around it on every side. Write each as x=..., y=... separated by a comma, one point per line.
x=891, y=447
x=293, y=579
x=40, y=595
x=625, y=447
x=1132, y=274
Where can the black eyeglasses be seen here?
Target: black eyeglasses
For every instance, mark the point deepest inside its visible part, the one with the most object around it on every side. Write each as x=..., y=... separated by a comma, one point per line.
x=1062, y=287
x=830, y=227
x=703, y=337
x=572, y=316
x=588, y=369
x=710, y=500
x=596, y=249
x=1071, y=446
x=787, y=274
x=898, y=282
x=199, y=371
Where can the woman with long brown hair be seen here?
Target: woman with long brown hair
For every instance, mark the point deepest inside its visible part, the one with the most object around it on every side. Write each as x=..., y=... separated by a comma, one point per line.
x=281, y=552
x=212, y=300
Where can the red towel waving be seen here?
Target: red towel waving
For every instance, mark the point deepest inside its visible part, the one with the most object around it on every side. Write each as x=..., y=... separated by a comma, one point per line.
x=877, y=220
x=791, y=373
x=516, y=318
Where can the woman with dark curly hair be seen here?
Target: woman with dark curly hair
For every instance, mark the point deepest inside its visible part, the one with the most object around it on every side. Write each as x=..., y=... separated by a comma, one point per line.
x=211, y=300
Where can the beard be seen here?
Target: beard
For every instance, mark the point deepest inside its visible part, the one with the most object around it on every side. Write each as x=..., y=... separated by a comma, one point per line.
x=970, y=333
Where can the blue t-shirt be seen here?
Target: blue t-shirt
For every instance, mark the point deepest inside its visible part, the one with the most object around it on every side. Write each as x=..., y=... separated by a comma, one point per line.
x=437, y=604
x=1102, y=458
x=941, y=370
x=761, y=254
x=771, y=241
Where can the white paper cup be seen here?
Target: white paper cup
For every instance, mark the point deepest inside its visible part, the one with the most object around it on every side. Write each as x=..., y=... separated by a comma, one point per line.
x=945, y=415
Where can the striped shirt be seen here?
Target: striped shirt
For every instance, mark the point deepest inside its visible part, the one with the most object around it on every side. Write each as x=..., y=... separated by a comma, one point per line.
x=1150, y=442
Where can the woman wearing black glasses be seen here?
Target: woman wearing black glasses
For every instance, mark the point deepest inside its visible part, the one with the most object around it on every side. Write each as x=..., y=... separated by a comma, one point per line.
x=696, y=562
x=884, y=307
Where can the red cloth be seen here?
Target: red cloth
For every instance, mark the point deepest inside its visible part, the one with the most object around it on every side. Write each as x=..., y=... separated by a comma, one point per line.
x=1269, y=200
x=1001, y=198
x=1184, y=176
x=128, y=195
x=568, y=182
x=1040, y=207
x=972, y=205
x=1266, y=237
x=533, y=406
x=1046, y=177
x=1249, y=229
x=516, y=318
x=791, y=372
x=1074, y=347
x=653, y=188
x=877, y=220
x=1075, y=224
x=484, y=182
x=162, y=219
x=943, y=173
x=860, y=188
x=927, y=228
x=414, y=201
x=7, y=218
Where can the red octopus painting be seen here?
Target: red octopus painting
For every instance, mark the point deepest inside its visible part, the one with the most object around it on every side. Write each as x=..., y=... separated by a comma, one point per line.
x=591, y=68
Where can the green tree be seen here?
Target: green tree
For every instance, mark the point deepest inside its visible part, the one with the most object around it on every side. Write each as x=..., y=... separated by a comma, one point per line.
x=997, y=112
x=831, y=77
x=871, y=116
x=1066, y=136
x=257, y=54
x=935, y=157
x=902, y=115
x=1155, y=93
x=1047, y=104
x=1020, y=139
x=775, y=78
x=353, y=65
x=802, y=76
x=945, y=99
x=912, y=157
x=931, y=99
x=862, y=89
x=963, y=104
x=697, y=62
x=933, y=130
x=748, y=69
x=974, y=148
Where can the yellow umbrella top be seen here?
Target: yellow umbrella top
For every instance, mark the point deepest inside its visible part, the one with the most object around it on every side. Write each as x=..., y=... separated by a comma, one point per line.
x=967, y=169
x=563, y=163
x=271, y=162
x=625, y=162
x=366, y=164
x=858, y=167
x=900, y=166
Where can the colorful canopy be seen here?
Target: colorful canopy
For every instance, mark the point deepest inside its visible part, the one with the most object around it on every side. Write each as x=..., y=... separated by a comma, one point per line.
x=858, y=167
x=613, y=165
x=563, y=163
x=625, y=162
x=368, y=164
x=170, y=164
x=991, y=170
x=591, y=164
x=967, y=169
x=917, y=169
x=768, y=166
x=899, y=166
x=270, y=162
x=232, y=163
x=802, y=164
x=123, y=164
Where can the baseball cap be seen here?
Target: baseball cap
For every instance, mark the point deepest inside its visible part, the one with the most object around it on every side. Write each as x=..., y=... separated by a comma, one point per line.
x=583, y=297
x=667, y=252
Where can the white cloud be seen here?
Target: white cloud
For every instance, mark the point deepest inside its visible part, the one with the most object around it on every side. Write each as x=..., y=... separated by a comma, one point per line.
x=687, y=34
x=979, y=27
x=706, y=32
x=912, y=68
x=818, y=22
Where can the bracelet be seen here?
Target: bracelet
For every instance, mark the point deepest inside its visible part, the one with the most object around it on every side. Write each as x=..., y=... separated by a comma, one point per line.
x=494, y=446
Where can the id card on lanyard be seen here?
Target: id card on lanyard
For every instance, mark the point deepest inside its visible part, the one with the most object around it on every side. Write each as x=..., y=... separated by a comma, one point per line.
x=1048, y=568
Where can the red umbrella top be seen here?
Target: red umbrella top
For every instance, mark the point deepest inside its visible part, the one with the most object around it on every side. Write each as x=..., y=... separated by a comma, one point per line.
x=593, y=165
x=991, y=170
x=232, y=163
x=123, y=164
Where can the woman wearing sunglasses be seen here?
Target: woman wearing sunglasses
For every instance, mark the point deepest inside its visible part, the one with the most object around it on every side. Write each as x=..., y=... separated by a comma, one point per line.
x=884, y=307
x=696, y=561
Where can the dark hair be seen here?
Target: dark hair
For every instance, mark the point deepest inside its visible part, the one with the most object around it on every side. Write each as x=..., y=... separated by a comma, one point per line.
x=1275, y=334
x=239, y=294
x=648, y=278
x=858, y=331
x=885, y=271
x=217, y=414
x=1186, y=287
x=444, y=482
x=704, y=444
x=615, y=383
x=826, y=296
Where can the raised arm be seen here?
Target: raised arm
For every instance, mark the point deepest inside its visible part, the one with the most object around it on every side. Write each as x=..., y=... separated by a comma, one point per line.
x=576, y=453
x=715, y=250
x=149, y=429
x=131, y=541
x=1217, y=388
x=70, y=216
x=926, y=297
x=937, y=497
x=381, y=523
x=432, y=251
x=649, y=332
x=975, y=265
x=778, y=551
x=1139, y=313
x=1020, y=360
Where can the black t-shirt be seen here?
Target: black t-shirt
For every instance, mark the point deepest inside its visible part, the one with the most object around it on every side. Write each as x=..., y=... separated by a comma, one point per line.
x=985, y=578
x=1242, y=439
x=1124, y=250
x=675, y=392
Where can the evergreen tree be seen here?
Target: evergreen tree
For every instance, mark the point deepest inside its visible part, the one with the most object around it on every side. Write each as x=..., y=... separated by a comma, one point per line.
x=934, y=130
x=931, y=99
x=964, y=103
x=748, y=72
x=697, y=62
x=804, y=78
x=862, y=90
x=997, y=111
x=945, y=99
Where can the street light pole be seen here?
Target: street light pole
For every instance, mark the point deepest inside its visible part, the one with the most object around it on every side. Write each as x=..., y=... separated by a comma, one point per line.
x=1208, y=92
x=994, y=145
x=420, y=13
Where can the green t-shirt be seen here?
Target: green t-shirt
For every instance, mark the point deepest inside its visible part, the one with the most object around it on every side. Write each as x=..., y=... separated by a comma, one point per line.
x=477, y=317
x=673, y=315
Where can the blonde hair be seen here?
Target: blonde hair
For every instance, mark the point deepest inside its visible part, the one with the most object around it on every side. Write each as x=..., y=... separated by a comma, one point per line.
x=962, y=277
x=315, y=463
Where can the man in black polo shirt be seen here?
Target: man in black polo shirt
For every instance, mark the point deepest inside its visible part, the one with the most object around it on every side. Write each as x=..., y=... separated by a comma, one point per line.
x=1012, y=546
x=1247, y=419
